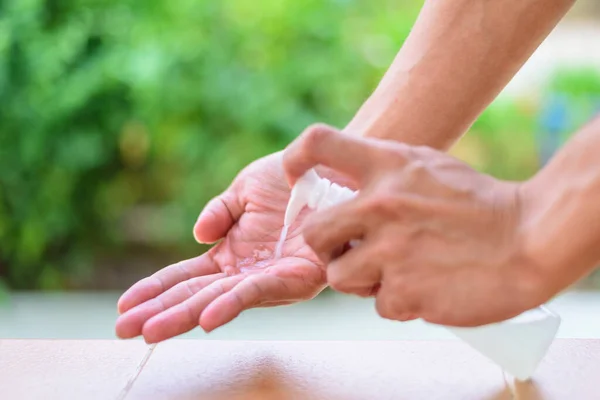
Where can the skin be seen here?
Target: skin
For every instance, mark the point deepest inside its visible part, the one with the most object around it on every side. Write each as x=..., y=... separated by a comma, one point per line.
x=562, y=230
x=457, y=58
x=211, y=290
x=442, y=242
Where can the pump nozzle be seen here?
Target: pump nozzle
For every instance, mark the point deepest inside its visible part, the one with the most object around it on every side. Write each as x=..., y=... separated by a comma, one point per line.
x=316, y=193
x=300, y=195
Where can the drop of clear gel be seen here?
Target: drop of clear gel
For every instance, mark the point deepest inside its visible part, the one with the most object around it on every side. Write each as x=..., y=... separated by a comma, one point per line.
x=261, y=258
x=281, y=241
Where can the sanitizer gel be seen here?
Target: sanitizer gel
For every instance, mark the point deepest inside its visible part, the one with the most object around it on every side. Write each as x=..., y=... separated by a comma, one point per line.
x=517, y=345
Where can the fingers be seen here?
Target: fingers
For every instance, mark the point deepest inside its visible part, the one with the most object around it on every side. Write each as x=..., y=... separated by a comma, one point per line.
x=355, y=272
x=292, y=280
x=247, y=294
x=185, y=316
x=130, y=324
x=393, y=309
x=213, y=300
x=397, y=300
x=217, y=217
x=223, y=300
x=327, y=231
x=324, y=145
x=150, y=287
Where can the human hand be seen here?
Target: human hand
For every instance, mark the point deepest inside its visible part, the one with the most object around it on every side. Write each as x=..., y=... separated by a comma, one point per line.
x=438, y=240
x=238, y=273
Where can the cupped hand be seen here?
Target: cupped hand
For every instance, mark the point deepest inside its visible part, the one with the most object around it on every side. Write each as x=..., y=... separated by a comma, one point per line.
x=238, y=273
x=436, y=239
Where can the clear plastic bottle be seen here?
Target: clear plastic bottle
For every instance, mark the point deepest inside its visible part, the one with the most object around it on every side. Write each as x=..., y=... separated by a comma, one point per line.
x=517, y=345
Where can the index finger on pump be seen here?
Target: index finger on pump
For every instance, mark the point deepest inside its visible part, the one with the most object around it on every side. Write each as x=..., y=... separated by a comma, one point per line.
x=324, y=145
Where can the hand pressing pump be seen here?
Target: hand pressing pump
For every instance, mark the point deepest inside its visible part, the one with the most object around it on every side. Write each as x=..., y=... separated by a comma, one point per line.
x=517, y=345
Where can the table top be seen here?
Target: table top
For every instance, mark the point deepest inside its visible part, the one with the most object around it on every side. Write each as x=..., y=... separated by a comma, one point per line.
x=220, y=370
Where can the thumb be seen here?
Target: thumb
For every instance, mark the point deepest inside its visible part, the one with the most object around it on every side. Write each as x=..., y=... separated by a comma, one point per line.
x=218, y=216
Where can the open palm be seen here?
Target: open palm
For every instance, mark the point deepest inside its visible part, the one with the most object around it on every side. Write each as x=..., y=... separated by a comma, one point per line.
x=238, y=273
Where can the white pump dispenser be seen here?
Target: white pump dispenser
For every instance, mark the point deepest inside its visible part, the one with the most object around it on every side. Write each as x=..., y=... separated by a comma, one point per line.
x=517, y=345
x=315, y=192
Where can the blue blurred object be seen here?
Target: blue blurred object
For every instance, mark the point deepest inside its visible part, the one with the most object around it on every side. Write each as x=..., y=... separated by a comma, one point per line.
x=597, y=107
x=554, y=121
x=561, y=114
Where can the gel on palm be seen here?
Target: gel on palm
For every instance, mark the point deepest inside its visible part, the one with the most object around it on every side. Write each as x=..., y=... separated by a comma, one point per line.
x=517, y=345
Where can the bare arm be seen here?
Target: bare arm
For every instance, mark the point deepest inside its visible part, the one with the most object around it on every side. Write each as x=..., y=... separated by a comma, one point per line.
x=562, y=209
x=463, y=248
x=457, y=59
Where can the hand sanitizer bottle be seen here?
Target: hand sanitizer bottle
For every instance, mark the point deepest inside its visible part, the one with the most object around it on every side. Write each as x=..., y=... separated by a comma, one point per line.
x=516, y=345
x=315, y=192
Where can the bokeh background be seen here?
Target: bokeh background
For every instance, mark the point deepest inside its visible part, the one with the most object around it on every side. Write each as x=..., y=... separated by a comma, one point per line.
x=119, y=119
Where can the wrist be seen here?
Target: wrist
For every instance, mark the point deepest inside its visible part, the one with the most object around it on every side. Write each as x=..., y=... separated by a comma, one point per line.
x=555, y=237
x=397, y=117
x=524, y=276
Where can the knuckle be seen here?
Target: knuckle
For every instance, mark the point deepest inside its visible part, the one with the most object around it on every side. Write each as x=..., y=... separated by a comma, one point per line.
x=217, y=288
x=422, y=149
x=530, y=286
x=401, y=151
x=256, y=290
x=192, y=286
x=434, y=316
x=160, y=303
x=338, y=282
x=315, y=134
x=190, y=313
x=382, y=306
x=400, y=287
x=410, y=304
x=399, y=301
x=437, y=310
x=189, y=287
x=414, y=171
x=419, y=152
x=395, y=250
x=238, y=300
x=384, y=204
x=388, y=156
x=160, y=281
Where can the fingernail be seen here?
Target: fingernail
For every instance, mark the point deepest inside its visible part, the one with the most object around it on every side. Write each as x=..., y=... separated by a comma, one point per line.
x=150, y=342
x=207, y=331
x=196, y=237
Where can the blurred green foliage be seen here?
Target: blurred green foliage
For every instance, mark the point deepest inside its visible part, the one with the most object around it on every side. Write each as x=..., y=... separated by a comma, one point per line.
x=508, y=135
x=507, y=146
x=580, y=89
x=579, y=82
x=121, y=118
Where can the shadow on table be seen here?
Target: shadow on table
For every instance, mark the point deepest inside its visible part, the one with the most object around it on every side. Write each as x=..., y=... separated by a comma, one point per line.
x=268, y=379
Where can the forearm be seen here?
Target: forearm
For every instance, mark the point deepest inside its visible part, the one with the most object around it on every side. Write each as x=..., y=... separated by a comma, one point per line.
x=562, y=211
x=458, y=57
